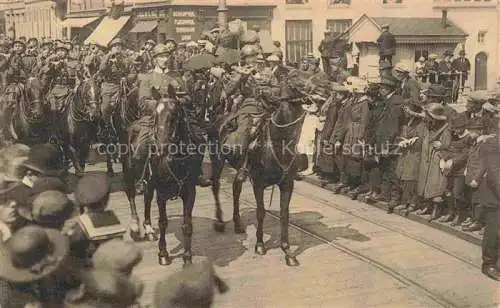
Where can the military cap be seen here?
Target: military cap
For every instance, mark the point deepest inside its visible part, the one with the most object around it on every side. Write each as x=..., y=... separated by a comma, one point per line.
x=161, y=49
x=92, y=188
x=116, y=41
x=117, y=255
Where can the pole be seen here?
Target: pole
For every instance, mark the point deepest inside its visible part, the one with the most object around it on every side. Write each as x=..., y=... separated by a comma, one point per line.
x=222, y=14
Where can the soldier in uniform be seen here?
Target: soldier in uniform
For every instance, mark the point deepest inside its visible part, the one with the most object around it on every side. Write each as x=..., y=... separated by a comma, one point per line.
x=113, y=70
x=15, y=77
x=252, y=84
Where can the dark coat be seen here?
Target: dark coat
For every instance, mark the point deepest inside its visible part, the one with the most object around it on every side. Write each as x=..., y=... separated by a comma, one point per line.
x=458, y=152
x=385, y=122
x=461, y=65
x=327, y=48
x=490, y=173
x=386, y=44
x=411, y=91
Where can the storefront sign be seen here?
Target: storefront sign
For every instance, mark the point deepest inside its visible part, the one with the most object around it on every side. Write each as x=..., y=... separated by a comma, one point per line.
x=185, y=30
x=184, y=22
x=184, y=14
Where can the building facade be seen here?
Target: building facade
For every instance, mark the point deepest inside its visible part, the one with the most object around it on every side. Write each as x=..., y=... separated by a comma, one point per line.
x=300, y=26
x=34, y=18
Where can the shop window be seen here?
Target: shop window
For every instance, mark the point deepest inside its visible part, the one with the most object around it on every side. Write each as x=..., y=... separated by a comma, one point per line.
x=338, y=25
x=298, y=35
x=421, y=53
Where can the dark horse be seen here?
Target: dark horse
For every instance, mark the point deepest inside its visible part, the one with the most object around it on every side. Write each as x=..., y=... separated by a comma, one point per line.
x=123, y=113
x=274, y=163
x=28, y=123
x=79, y=123
x=174, y=173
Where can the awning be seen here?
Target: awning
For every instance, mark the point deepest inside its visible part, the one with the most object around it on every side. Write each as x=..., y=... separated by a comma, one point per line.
x=107, y=30
x=144, y=26
x=78, y=22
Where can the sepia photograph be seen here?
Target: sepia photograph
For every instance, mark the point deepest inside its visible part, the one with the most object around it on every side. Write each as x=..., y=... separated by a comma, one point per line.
x=249, y=153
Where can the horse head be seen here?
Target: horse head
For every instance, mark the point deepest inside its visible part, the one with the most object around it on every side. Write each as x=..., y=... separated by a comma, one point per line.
x=33, y=98
x=89, y=93
x=168, y=116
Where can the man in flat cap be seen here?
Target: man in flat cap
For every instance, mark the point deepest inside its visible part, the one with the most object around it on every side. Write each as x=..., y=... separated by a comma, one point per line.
x=386, y=44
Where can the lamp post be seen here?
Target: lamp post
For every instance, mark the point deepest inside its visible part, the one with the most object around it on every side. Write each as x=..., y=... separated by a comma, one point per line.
x=222, y=14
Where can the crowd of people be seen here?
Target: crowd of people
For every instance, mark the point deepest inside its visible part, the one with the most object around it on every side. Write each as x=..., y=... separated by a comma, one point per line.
x=386, y=140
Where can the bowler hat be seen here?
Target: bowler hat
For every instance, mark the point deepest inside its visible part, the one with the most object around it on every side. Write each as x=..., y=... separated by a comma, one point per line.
x=92, y=188
x=117, y=255
x=192, y=287
x=436, y=111
x=45, y=159
x=50, y=208
x=32, y=253
x=23, y=194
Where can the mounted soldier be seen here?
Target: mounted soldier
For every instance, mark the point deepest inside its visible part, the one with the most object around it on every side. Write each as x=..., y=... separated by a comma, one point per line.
x=113, y=69
x=60, y=78
x=30, y=56
x=15, y=77
x=258, y=93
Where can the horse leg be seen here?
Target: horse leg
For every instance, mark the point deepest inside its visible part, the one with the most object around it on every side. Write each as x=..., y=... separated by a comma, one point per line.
x=258, y=191
x=188, y=198
x=84, y=154
x=163, y=257
x=149, y=232
x=286, y=190
x=129, y=179
x=75, y=154
x=109, y=163
x=217, y=167
x=237, y=187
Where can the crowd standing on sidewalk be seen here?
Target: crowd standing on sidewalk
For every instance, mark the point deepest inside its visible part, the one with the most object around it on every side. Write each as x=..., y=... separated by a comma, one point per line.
x=398, y=140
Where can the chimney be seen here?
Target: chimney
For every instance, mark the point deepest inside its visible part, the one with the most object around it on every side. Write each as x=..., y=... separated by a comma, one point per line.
x=443, y=18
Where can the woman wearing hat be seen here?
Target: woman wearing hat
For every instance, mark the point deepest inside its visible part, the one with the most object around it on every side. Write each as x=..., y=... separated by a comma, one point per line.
x=34, y=260
x=431, y=182
x=407, y=165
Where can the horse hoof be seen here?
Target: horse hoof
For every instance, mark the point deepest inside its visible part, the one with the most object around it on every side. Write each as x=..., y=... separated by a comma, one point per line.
x=291, y=261
x=260, y=249
x=188, y=260
x=151, y=237
x=219, y=226
x=164, y=260
x=239, y=229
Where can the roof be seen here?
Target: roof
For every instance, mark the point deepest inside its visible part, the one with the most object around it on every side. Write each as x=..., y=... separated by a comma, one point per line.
x=419, y=27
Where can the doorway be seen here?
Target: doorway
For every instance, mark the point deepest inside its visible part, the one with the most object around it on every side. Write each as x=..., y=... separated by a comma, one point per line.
x=481, y=71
